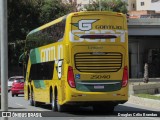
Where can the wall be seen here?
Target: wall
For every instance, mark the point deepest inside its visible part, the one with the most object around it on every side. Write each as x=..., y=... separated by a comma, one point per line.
x=130, y=5
x=144, y=88
x=146, y=4
x=140, y=12
x=155, y=6
x=138, y=51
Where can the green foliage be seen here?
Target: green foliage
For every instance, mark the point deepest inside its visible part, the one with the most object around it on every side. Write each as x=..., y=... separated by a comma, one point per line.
x=26, y=15
x=108, y=5
x=52, y=9
x=22, y=17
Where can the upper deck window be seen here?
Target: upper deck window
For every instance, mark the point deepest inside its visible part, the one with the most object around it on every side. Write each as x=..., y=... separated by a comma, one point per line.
x=46, y=36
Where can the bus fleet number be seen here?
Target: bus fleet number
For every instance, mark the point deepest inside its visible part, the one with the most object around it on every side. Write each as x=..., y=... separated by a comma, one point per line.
x=100, y=76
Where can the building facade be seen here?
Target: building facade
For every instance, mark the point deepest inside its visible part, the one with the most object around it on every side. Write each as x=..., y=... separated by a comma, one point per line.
x=137, y=5
x=144, y=47
x=131, y=5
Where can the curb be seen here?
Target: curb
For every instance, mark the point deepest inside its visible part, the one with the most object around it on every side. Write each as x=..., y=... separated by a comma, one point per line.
x=145, y=102
x=139, y=87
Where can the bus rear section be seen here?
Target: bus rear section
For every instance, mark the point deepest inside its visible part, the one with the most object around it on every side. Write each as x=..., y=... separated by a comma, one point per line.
x=98, y=71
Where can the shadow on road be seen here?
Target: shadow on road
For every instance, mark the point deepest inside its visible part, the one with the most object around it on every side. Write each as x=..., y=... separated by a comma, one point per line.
x=16, y=108
x=88, y=111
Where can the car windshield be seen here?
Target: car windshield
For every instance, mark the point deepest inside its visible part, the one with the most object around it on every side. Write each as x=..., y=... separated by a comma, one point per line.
x=19, y=80
x=11, y=79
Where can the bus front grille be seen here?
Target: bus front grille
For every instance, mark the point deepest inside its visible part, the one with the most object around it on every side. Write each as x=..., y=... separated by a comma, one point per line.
x=98, y=61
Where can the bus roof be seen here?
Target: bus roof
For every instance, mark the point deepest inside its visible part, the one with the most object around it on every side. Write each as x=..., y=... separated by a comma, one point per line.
x=72, y=14
x=46, y=25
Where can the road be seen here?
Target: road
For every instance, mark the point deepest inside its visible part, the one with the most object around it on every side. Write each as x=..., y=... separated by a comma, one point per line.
x=20, y=105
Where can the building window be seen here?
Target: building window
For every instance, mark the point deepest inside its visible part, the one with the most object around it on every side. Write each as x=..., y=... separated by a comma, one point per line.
x=142, y=3
x=133, y=5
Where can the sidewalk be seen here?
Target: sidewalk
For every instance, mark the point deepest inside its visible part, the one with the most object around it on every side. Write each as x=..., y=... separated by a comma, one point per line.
x=146, y=88
x=151, y=103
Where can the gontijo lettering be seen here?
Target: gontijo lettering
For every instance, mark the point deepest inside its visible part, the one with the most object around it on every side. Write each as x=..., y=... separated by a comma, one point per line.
x=52, y=53
x=108, y=27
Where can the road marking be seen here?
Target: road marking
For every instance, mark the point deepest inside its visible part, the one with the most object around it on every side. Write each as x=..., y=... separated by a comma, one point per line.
x=19, y=104
x=39, y=109
x=23, y=106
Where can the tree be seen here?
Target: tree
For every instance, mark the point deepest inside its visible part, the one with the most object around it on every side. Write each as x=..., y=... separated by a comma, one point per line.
x=108, y=5
x=22, y=17
x=26, y=15
x=52, y=9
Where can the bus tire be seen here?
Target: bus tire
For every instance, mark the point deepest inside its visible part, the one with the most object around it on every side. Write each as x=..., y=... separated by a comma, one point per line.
x=31, y=100
x=52, y=102
x=37, y=104
x=56, y=106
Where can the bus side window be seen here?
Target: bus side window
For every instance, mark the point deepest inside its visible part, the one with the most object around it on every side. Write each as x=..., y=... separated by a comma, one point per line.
x=42, y=71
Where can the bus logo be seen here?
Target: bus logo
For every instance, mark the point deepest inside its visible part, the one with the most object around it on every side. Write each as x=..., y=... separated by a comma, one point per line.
x=84, y=25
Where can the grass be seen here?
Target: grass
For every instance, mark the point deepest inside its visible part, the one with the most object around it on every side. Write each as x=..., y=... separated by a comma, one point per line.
x=148, y=96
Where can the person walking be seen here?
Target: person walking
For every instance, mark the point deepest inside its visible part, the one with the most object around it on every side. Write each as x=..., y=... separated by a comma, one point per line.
x=145, y=79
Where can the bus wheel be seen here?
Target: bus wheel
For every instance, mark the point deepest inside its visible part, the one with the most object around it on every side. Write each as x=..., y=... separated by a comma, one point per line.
x=53, y=104
x=31, y=98
x=37, y=104
x=58, y=107
x=32, y=101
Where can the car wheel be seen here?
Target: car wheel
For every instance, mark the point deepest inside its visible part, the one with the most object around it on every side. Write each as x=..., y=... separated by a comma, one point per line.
x=16, y=95
x=12, y=95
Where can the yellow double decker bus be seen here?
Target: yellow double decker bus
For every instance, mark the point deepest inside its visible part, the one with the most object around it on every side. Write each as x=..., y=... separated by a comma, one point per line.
x=78, y=59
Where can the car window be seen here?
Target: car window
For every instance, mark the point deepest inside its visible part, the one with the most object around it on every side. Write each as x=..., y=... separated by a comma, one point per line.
x=19, y=80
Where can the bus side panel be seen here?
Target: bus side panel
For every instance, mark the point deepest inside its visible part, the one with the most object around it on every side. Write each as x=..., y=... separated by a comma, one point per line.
x=26, y=84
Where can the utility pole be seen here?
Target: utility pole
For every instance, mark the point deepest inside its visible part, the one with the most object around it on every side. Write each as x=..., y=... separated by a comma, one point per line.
x=4, y=56
x=100, y=6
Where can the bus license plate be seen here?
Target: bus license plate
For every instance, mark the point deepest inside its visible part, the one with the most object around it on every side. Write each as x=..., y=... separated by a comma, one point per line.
x=98, y=87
